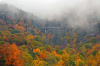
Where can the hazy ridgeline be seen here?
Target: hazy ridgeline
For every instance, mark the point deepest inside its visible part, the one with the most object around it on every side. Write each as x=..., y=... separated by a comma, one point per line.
x=75, y=13
x=83, y=16
x=49, y=33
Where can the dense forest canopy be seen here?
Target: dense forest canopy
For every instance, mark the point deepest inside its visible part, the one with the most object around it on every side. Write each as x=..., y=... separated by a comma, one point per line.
x=27, y=40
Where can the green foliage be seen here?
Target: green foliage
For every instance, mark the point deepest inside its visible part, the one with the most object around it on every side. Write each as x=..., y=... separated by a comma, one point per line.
x=10, y=40
x=52, y=60
x=2, y=62
x=11, y=28
x=37, y=54
x=1, y=39
x=38, y=39
x=94, y=52
x=31, y=53
x=42, y=48
x=81, y=54
x=15, y=31
x=60, y=51
x=2, y=42
x=24, y=32
x=81, y=57
x=35, y=43
x=43, y=63
x=23, y=48
x=93, y=39
x=27, y=59
x=81, y=64
x=0, y=33
x=71, y=62
x=87, y=46
x=18, y=34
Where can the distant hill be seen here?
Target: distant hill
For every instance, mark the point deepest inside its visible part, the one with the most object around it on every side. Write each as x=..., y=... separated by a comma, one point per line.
x=15, y=13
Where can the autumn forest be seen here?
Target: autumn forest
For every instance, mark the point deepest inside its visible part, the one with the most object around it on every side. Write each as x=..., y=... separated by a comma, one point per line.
x=27, y=40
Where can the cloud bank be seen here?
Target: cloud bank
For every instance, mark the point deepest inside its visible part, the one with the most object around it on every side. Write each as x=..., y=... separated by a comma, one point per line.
x=75, y=12
x=45, y=8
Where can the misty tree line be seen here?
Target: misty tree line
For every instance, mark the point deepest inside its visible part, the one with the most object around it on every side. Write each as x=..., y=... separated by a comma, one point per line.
x=24, y=41
x=64, y=25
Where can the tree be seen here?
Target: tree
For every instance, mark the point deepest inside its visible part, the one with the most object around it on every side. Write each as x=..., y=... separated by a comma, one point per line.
x=11, y=54
x=27, y=59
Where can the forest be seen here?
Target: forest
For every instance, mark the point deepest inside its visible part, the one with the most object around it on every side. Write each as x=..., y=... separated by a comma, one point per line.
x=27, y=40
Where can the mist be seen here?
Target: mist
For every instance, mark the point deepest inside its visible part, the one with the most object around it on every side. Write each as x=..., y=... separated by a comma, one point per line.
x=75, y=12
x=45, y=8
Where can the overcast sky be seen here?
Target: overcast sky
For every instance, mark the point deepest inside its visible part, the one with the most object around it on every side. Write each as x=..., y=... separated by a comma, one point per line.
x=56, y=9
x=44, y=8
x=48, y=8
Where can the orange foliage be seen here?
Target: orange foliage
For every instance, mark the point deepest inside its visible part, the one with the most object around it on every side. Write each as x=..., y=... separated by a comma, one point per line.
x=92, y=61
x=5, y=38
x=20, y=28
x=74, y=41
x=43, y=56
x=98, y=46
x=1, y=21
x=35, y=31
x=64, y=51
x=60, y=63
x=48, y=49
x=36, y=50
x=78, y=60
x=90, y=51
x=74, y=50
x=11, y=54
x=29, y=37
x=20, y=23
x=49, y=35
x=54, y=52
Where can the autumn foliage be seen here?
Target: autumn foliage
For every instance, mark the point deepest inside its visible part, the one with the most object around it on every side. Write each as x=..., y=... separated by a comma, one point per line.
x=26, y=42
x=11, y=54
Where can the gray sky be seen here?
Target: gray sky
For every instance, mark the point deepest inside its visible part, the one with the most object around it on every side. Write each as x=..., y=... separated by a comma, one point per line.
x=77, y=12
x=44, y=8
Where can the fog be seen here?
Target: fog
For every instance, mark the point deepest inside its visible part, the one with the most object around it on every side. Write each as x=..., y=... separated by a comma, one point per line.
x=45, y=8
x=75, y=12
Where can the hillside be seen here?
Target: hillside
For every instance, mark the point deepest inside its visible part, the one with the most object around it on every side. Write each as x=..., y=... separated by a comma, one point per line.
x=26, y=40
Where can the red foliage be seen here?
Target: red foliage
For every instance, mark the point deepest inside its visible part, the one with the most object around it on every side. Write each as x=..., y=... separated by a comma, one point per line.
x=98, y=37
x=1, y=21
x=62, y=46
x=20, y=23
x=48, y=49
x=43, y=56
x=11, y=54
x=10, y=26
x=49, y=35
